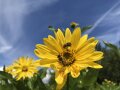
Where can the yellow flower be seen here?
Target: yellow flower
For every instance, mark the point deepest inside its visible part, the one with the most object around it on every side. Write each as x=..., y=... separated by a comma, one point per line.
x=9, y=69
x=68, y=53
x=23, y=68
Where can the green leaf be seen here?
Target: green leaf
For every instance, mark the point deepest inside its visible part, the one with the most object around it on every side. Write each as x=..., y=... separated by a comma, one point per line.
x=110, y=45
x=90, y=78
x=43, y=72
x=86, y=28
x=41, y=85
x=36, y=83
x=22, y=84
x=52, y=84
x=51, y=28
x=7, y=87
x=6, y=76
x=115, y=49
x=73, y=82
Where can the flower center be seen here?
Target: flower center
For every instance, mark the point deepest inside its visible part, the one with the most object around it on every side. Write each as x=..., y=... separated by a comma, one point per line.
x=66, y=58
x=24, y=69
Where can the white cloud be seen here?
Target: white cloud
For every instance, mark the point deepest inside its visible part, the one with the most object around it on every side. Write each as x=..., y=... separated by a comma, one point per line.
x=46, y=79
x=108, y=25
x=12, y=13
x=1, y=68
x=109, y=38
x=5, y=48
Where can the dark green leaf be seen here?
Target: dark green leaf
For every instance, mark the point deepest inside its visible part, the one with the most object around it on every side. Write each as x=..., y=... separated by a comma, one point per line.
x=51, y=28
x=5, y=76
x=90, y=78
x=110, y=45
x=7, y=87
x=86, y=28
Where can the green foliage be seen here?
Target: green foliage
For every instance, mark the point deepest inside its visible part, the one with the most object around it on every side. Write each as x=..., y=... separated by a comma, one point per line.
x=7, y=82
x=86, y=28
x=86, y=80
x=108, y=85
x=73, y=26
x=51, y=28
x=111, y=63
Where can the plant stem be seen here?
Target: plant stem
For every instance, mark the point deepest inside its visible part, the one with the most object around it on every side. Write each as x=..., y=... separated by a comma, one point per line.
x=68, y=82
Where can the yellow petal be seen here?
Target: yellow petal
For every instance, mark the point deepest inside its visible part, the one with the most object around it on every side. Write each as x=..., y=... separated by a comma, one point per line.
x=75, y=73
x=60, y=37
x=47, y=61
x=50, y=42
x=97, y=55
x=83, y=56
x=61, y=68
x=19, y=76
x=21, y=60
x=75, y=37
x=56, y=66
x=95, y=65
x=60, y=86
x=82, y=41
x=90, y=40
x=67, y=69
x=59, y=77
x=44, y=48
x=67, y=35
x=44, y=54
x=53, y=40
x=44, y=64
x=86, y=49
x=75, y=70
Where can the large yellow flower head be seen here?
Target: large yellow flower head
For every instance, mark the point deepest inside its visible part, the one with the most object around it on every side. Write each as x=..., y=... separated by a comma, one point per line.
x=68, y=52
x=23, y=68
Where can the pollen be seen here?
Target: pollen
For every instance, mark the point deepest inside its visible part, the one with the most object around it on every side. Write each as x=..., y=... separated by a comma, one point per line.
x=66, y=59
x=24, y=69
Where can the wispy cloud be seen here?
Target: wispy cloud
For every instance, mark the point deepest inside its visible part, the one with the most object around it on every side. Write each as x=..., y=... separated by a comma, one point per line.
x=108, y=25
x=103, y=17
x=4, y=45
x=12, y=14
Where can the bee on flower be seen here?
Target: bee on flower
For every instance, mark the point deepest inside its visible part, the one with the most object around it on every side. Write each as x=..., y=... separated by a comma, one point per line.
x=68, y=52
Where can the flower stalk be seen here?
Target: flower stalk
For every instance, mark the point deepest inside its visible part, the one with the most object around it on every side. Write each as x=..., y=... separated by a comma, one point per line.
x=68, y=82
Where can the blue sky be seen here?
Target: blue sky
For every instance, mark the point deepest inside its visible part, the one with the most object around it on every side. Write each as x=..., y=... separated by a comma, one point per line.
x=23, y=23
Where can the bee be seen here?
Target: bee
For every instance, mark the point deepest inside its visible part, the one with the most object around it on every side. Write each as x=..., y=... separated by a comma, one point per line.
x=67, y=45
x=60, y=58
